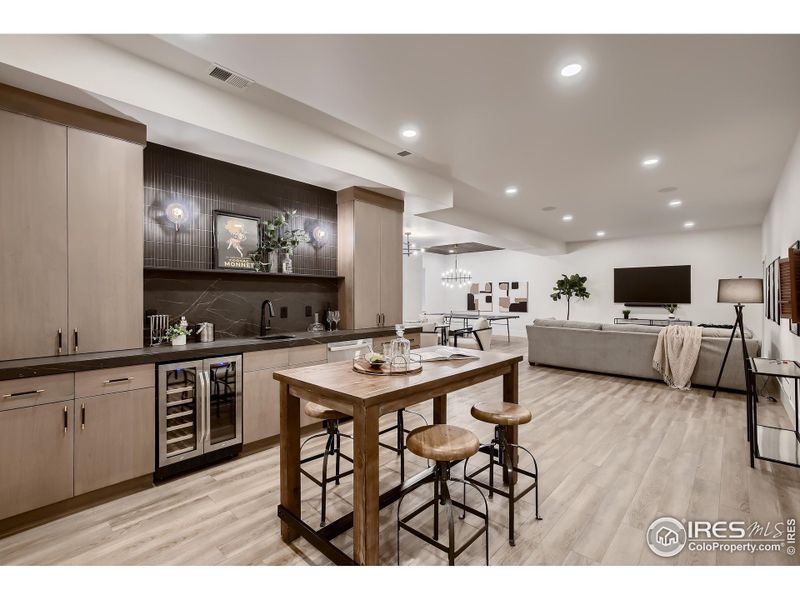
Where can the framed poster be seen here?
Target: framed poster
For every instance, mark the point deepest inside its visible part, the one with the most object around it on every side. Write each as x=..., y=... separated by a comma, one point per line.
x=235, y=237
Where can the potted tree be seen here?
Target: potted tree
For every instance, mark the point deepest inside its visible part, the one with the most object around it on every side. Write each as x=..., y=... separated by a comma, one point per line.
x=570, y=286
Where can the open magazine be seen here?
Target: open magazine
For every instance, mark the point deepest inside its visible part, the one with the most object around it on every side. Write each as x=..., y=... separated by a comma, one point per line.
x=444, y=353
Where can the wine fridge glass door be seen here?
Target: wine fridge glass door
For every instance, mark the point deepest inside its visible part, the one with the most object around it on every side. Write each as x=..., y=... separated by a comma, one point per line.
x=181, y=395
x=224, y=409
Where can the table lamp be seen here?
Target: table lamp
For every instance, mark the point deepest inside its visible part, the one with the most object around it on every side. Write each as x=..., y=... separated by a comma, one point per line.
x=739, y=291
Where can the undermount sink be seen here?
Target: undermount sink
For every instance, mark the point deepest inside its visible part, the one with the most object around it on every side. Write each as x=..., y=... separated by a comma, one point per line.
x=275, y=337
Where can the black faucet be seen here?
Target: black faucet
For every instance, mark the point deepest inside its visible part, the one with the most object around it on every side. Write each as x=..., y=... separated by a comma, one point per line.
x=265, y=323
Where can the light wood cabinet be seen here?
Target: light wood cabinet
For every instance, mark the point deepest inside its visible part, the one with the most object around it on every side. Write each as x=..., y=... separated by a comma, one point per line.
x=114, y=438
x=71, y=240
x=261, y=405
x=33, y=236
x=36, y=456
x=106, y=237
x=370, y=233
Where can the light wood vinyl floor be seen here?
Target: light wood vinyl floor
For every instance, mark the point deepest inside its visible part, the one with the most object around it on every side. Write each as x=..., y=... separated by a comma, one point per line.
x=613, y=454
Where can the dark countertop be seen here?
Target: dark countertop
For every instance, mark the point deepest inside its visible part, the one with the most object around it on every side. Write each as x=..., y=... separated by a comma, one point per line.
x=53, y=365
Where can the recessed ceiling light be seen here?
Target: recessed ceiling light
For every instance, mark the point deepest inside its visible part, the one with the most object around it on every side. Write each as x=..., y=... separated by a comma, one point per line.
x=451, y=251
x=511, y=190
x=600, y=233
x=651, y=161
x=409, y=133
x=571, y=70
x=566, y=218
x=675, y=203
x=688, y=224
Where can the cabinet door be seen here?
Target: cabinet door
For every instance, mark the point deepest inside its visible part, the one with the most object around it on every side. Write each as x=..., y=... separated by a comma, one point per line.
x=261, y=406
x=367, y=265
x=33, y=236
x=391, y=271
x=114, y=438
x=106, y=208
x=35, y=457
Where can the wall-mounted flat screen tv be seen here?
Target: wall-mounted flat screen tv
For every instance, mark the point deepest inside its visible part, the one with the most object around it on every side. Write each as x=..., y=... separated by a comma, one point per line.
x=653, y=285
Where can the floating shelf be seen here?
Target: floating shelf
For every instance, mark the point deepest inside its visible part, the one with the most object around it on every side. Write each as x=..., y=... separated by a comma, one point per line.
x=232, y=273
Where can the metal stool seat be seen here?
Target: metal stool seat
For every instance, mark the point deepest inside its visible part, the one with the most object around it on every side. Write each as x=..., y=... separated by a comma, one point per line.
x=503, y=415
x=443, y=444
x=333, y=447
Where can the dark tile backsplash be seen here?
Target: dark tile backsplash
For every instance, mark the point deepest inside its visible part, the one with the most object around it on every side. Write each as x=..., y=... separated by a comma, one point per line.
x=203, y=185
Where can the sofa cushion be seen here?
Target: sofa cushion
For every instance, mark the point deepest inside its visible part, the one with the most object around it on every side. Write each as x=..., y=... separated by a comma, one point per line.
x=631, y=327
x=718, y=332
x=567, y=324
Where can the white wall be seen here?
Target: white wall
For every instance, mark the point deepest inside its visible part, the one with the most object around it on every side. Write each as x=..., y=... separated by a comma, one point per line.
x=713, y=255
x=781, y=228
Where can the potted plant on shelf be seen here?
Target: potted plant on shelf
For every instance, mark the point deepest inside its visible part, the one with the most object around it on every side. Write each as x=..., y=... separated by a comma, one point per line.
x=570, y=286
x=276, y=237
x=177, y=333
x=626, y=313
x=671, y=308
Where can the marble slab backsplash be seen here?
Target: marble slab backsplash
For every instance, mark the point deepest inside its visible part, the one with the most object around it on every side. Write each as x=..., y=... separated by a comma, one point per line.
x=233, y=303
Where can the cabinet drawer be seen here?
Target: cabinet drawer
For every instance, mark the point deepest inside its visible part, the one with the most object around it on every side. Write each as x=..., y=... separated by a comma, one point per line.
x=31, y=391
x=120, y=379
x=266, y=359
x=307, y=354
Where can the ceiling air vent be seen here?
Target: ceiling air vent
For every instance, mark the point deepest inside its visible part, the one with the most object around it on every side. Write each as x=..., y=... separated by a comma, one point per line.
x=229, y=77
x=404, y=153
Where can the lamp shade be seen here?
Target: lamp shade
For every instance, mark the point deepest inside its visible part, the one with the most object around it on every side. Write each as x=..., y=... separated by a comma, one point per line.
x=749, y=290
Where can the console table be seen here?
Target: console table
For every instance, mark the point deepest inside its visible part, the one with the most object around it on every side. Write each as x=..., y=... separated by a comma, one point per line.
x=651, y=322
x=774, y=444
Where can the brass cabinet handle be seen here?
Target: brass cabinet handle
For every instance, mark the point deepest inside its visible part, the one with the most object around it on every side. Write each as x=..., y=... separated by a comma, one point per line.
x=66, y=419
x=119, y=380
x=18, y=394
x=75, y=335
x=83, y=417
x=60, y=340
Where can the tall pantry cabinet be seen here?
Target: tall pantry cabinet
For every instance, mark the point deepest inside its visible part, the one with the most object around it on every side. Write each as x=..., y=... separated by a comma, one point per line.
x=370, y=241
x=71, y=239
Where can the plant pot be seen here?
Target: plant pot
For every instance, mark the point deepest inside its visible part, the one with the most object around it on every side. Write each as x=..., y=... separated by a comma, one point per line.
x=178, y=341
x=626, y=316
x=671, y=317
x=286, y=266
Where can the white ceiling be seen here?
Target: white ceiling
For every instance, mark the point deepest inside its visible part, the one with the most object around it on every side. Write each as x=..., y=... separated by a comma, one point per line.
x=721, y=111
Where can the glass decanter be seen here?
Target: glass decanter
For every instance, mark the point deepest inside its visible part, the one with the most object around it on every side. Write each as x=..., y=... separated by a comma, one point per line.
x=401, y=347
x=316, y=326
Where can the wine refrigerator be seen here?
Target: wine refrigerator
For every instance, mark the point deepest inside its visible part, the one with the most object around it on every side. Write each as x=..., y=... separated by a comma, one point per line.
x=199, y=413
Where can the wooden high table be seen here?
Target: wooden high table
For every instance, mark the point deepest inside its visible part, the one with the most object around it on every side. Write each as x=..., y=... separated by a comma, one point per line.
x=367, y=398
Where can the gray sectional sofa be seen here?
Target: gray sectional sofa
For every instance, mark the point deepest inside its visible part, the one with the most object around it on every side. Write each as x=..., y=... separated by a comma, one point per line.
x=628, y=350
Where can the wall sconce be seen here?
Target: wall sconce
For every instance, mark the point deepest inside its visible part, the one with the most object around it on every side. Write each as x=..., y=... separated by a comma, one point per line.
x=177, y=214
x=319, y=235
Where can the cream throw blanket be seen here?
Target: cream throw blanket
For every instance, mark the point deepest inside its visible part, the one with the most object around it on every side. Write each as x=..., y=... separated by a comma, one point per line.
x=676, y=354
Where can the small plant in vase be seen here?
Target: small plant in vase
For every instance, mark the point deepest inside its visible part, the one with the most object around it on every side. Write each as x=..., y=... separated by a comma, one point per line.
x=626, y=314
x=176, y=334
x=276, y=237
x=671, y=308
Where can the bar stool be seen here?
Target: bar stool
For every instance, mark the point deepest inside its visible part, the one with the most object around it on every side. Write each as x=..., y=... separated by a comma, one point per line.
x=443, y=444
x=503, y=415
x=333, y=447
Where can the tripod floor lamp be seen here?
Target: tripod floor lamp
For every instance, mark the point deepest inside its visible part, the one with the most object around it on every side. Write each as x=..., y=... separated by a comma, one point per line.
x=739, y=291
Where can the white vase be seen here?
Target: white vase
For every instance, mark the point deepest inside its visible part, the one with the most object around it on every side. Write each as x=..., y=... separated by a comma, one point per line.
x=671, y=316
x=178, y=341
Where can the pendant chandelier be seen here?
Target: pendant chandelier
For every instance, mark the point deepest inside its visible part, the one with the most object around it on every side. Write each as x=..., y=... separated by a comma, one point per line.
x=410, y=249
x=455, y=277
